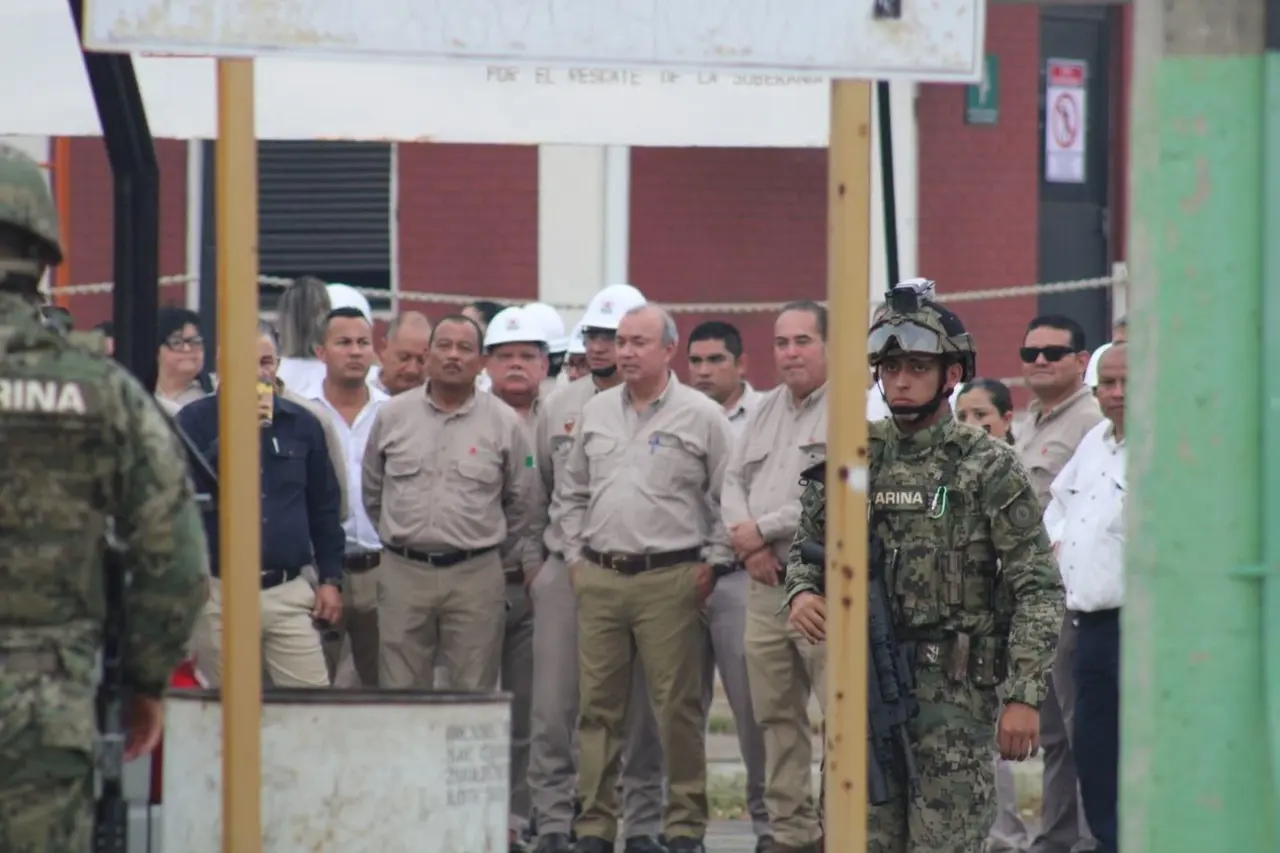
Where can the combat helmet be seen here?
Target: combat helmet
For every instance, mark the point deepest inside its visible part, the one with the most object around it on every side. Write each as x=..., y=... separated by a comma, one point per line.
x=27, y=208
x=911, y=320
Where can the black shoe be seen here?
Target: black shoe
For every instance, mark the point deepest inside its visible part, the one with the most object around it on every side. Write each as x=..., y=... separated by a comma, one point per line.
x=685, y=845
x=593, y=845
x=644, y=844
x=764, y=844
x=554, y=842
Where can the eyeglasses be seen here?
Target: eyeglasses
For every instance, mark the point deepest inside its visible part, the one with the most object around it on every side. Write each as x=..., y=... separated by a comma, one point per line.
x=177, y=342
x=1051, y=354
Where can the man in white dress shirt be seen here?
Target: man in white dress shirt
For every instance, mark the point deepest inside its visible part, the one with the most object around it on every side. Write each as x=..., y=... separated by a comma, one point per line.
x=1085, y=520
x=351, y=404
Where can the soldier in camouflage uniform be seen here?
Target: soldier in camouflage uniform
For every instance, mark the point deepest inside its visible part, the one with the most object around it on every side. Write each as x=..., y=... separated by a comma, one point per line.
x=972, y=583
x=83, y=452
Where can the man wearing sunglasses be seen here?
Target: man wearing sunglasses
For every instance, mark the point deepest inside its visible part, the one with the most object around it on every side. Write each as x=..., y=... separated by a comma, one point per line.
x=1054, y=360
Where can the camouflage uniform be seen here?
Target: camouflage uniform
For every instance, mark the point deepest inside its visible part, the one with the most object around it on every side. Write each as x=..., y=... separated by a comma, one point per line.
x=84, y=451
x=974, y=590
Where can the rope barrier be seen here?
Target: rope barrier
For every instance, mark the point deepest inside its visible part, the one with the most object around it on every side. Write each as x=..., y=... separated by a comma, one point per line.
x=1118, y=279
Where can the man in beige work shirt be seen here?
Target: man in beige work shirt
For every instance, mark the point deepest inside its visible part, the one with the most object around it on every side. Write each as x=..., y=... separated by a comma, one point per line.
x=760, y=504
x=644, y=537
x=516, y=350
x=448, y=479
x=1054, y=360
x=553, y=757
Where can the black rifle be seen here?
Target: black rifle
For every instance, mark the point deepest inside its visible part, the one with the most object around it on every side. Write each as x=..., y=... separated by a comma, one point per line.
x=891, y=701
x=110, y=831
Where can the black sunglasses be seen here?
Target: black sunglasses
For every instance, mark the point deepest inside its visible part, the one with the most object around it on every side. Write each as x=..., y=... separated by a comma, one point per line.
x=1051, y=354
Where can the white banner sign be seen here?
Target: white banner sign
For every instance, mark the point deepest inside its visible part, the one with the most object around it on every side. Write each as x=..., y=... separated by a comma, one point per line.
x=309, y=99
x=1064, y=122
x=934, y=41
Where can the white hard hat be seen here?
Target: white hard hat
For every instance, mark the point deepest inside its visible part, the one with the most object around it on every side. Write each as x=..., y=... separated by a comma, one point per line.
x=1091, y=372
x=514, y=326
x=607, y=307
x=577, y=341
x=552, y=324
x=346, y=296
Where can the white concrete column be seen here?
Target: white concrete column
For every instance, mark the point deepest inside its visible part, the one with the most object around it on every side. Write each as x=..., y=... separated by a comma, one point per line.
x=571, y=225
x=195, y=220
x=906, y=190
x=617, y=215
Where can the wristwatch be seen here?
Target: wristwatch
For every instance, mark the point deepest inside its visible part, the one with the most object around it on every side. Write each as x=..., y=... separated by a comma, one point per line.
x=723, y=569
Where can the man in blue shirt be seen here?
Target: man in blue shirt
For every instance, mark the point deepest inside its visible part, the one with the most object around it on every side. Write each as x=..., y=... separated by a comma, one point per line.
x=301, y=526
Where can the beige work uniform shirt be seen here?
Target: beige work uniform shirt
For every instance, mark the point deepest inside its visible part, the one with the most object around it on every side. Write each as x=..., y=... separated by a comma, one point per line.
x=647, y=482
x=553, y=435
x=1046, y=441
x=439, y=481
x=742, y=409
x=528, y=551
x=780, y=439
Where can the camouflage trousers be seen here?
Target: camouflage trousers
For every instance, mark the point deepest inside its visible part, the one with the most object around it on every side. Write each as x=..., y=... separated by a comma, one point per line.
x=953, y=736
x=43, y=807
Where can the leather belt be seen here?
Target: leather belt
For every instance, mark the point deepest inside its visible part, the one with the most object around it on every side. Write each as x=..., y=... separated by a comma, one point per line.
x=515, y=576
x=437, y=559
x=634, y=564
x=276, y=577
x=362, y=561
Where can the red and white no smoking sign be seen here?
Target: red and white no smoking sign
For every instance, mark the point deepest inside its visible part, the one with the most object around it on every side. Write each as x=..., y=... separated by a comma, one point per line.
x=1064, y=125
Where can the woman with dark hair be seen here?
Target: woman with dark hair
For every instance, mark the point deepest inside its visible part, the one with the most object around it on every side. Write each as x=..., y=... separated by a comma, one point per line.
x=180, y=360
x=987, y=403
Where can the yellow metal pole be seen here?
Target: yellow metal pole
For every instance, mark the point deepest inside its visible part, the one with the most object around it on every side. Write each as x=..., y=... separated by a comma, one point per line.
x=848, y=272
x=239, y=507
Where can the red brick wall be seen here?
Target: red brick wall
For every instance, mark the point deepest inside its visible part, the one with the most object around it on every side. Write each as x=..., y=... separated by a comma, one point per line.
x=979, y=191
x=91, y=222
x=730, y=225
x=741, y=225
x=468, y=222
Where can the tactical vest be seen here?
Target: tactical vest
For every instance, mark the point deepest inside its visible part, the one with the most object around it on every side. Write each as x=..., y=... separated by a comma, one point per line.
x=943, y=569
x=60, y=473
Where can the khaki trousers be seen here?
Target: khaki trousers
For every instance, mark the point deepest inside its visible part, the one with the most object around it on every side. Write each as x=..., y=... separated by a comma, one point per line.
x=785, y=669
x=352, y=651
x=291, y=652
x=457, y=612
x=654, y=617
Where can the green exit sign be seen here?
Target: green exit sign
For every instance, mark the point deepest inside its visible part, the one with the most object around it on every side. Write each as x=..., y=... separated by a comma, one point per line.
x=982, y=100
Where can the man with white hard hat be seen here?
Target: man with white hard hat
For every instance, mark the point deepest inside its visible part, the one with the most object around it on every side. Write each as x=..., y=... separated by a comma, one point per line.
x=575, y=362
x=557, y=340
x=515, y=342
x=552, y=760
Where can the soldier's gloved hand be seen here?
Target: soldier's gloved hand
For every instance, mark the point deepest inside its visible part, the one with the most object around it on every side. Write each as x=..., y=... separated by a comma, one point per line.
x=808, y=615
x=1019, y=734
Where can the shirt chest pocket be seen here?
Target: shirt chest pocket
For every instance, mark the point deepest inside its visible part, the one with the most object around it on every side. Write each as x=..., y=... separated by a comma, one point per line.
x=674, y=459
x=481, y=471
x=812, y=453
x=288, y=463
x=604, y=455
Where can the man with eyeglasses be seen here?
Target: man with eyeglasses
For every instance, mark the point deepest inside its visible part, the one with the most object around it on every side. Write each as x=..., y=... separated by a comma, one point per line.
x=1054, y=359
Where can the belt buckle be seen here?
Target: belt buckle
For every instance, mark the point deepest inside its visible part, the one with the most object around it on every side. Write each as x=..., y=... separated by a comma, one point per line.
x=609, y=561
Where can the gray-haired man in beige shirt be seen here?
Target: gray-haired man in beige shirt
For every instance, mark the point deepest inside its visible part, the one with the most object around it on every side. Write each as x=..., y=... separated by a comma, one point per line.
x=448, y=479
x=644, y=537
x=761, y=508
x=553, y=754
